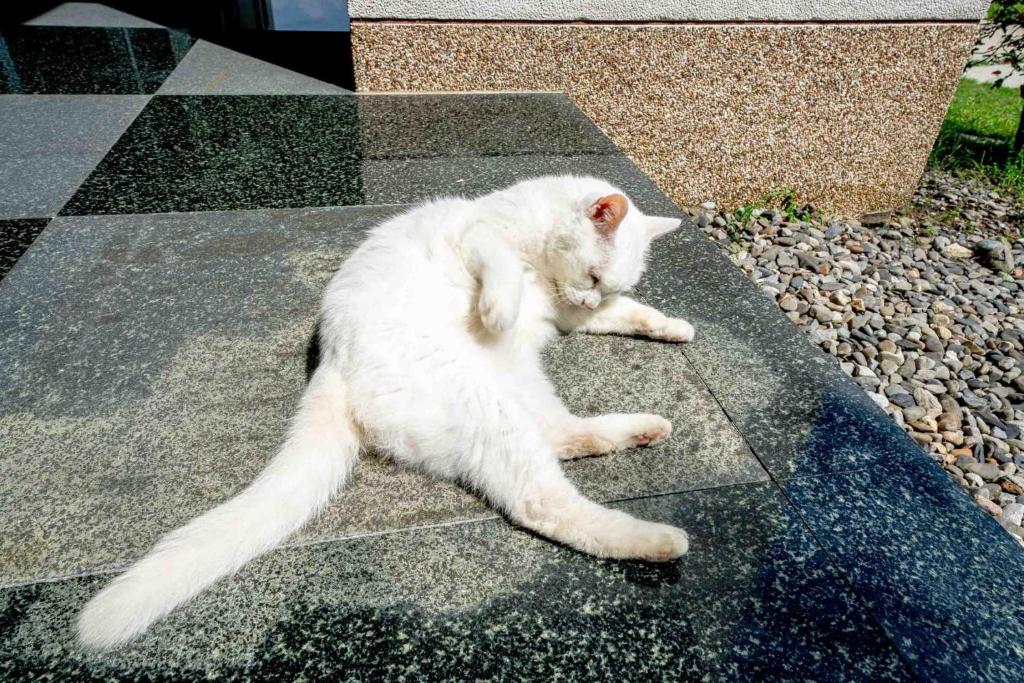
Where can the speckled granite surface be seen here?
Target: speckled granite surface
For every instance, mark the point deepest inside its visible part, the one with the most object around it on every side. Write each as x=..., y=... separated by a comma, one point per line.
x=211, y=153
x=889, y=530
x=50, y=143
x=15, y=237
x=88, y=60
x=756, y=599
x=151, y=361
x=184, y=353
x=799, y=413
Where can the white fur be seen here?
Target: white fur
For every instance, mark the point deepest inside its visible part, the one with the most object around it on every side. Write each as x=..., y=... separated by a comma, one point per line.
x=431, y=333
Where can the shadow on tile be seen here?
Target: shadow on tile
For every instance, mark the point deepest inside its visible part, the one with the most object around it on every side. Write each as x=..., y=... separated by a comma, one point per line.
x=798, y=411
x=942, y=578
x=755, y=599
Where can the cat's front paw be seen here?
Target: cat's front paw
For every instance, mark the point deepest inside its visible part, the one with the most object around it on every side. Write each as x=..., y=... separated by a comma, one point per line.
x=497, y=312
x=673, y=330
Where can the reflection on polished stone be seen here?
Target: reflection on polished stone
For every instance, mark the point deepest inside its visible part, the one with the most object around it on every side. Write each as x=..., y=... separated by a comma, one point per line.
x=196, y=153
x=88, y=60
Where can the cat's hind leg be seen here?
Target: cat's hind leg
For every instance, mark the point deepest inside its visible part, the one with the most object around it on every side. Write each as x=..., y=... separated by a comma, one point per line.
x=604, y=434
x=576, y=437
x=495, y=445
x=525, y=481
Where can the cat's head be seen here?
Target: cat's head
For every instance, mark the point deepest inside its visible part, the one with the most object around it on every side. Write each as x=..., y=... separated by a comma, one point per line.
x=598, y=242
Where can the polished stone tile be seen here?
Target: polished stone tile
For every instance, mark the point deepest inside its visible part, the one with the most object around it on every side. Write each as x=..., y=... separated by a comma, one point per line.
x=210, y=153
x=798, y=411
x=35, y=125
x=213, y=153
x=604, y=374
x=88, y=60
x=210, y=69
x=37, y=187
x=50, y=143
x=472, y=125
x=389, y=181
x=89, y=14
x=172, y=348
x=942, y=577
x=15, y=237
x=755, y=599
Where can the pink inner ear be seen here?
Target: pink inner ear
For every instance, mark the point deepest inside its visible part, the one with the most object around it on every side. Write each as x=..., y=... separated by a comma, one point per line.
x=607, y=213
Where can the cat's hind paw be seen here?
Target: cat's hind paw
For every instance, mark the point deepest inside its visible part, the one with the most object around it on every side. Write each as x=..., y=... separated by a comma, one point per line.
x=661, y=543
x=606, y=433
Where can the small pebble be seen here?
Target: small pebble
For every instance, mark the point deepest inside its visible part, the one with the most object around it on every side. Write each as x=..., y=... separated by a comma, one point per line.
x=924, y=309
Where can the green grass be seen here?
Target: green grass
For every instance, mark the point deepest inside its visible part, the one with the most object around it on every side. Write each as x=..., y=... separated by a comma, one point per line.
x=977, y=133
x=980, y=109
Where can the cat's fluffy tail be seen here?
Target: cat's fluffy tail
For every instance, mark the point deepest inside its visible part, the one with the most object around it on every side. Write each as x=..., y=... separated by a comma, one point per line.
x=320, y=449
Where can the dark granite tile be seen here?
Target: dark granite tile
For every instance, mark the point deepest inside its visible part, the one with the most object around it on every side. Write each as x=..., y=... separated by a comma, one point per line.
x=798, y=411
x=755, y=599
x=171, y=348
x=226, y=152
x=458, y=125
x=15, y=237
x=942, y=577
x=388, y=181
x=214, y=153
x=88, y=60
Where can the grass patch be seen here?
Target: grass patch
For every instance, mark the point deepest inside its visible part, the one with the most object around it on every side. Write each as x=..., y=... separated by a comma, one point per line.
x=977, y=134
x=980, y=109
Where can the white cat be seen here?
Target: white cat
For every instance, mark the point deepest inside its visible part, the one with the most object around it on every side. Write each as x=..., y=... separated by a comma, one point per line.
x=431, y=335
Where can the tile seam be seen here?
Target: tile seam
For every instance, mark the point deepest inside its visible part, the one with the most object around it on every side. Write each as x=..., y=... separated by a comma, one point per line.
x=313, y=542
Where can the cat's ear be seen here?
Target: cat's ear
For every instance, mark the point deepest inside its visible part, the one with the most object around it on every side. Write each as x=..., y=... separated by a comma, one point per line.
x=607, y=213
x=658, y=226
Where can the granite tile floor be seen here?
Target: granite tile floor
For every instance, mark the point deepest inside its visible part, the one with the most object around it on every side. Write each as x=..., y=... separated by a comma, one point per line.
x=155, y=333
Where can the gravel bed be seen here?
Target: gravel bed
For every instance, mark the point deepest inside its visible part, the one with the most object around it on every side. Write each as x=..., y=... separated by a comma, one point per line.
x=923, y=308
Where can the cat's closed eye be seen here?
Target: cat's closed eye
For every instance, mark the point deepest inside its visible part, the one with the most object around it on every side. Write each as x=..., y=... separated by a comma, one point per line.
x=595, y=279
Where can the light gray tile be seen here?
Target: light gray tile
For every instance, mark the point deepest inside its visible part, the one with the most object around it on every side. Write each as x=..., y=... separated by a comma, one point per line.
x=36, y=187
x=156, y=375
x=50, y=143
x=35, y=125
x=210, y=69
x=89, y=14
